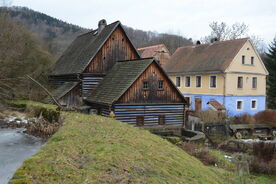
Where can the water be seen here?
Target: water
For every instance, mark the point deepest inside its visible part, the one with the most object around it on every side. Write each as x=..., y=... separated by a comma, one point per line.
x=15, y=147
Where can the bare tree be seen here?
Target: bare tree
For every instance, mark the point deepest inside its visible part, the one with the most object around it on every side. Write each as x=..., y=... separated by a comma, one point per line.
x=222, y=31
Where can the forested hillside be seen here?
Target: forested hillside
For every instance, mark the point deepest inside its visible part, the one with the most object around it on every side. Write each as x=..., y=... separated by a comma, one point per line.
x=56, y=35
x=20, y=55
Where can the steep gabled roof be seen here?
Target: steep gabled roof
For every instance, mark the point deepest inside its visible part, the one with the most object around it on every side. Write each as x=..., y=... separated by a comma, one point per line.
x=83, y=49
x=62, y=90
x=215, y=57
x=119, y=80
x=150, y=51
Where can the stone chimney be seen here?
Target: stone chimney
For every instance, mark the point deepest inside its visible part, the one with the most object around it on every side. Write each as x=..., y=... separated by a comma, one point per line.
x=101, y=25
x=198, y=42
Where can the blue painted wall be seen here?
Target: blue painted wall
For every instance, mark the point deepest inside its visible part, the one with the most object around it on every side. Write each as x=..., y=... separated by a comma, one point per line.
x=230, y=102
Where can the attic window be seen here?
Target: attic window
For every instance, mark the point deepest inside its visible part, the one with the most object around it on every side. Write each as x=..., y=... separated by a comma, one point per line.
x=145, y=85
x=160, y=85
x=243, y=60
x=252, y=60
x=112, y=38
x=123, y=40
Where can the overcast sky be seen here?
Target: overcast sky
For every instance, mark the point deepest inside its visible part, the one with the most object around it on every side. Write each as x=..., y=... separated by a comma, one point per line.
x=189, y=18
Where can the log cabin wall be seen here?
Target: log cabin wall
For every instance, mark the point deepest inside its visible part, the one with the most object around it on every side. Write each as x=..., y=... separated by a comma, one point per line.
x=89, y=83
x=116, y=48
x=154, y=114
x=153, y=94
x=72, y=98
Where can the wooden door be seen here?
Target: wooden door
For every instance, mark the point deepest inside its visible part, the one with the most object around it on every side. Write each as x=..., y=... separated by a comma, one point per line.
x=198, y=104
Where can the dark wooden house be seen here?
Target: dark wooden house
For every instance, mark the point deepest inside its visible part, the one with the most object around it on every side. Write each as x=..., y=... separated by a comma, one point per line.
x=87, y=60
x=138, y=92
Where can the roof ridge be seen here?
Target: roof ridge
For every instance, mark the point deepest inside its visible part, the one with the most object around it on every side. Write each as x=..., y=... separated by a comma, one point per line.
x=152, y=46
x=121, y=61
x=94, y=30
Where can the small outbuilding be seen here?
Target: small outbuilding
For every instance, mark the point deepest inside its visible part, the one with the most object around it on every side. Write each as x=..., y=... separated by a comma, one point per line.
x=138, y=92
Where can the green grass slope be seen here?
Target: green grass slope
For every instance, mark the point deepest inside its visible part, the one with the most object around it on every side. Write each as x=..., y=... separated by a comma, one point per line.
x=94, y=149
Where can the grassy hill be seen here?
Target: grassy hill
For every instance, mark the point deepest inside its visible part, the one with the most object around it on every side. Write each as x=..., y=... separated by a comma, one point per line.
x=94, y=149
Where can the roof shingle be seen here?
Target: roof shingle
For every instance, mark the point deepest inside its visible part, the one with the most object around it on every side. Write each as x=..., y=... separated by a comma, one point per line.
x=204, y=58
x=118, y=80
x=82, y=50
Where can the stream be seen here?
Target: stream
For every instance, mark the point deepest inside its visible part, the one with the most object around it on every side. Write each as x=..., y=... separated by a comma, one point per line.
x=15, y=147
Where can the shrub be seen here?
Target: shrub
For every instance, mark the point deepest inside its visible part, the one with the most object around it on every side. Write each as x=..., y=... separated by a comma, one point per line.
x=264, y=160
x=266, y=117
x=244, y=119
x=210, y=116
x=200, y=153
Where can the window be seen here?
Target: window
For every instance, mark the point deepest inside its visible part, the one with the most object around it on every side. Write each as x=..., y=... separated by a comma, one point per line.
x=239, y=105
x=240, y=82
x=188, y=100
x=161, y=120
x=160, y=85
x=139, y=120
x=252, y=60
x=243, y=60
x=145, y=85
x=253, y=104
x=187, y=81
x=254, y=82
x=177, y=81
x=213, y=81
x=198, y=81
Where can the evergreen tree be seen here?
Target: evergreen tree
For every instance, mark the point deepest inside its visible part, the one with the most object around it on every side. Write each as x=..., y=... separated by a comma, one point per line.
x=270, y=62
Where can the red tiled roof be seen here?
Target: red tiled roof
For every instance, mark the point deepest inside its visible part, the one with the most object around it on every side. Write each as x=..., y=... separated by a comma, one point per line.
x=216, y=105
x=149, y=51
x=205, y=57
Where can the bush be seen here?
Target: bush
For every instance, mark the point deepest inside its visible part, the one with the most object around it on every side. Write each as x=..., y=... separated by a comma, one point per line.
x=264, y=160
x=200, y=153
x=210, y=116
x=266, y=117
x=244, y=119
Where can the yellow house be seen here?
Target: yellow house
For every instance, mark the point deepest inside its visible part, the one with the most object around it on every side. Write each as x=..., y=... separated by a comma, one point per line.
x=231, y=73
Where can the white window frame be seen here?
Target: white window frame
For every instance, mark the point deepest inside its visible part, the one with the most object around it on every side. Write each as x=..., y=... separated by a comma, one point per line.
x=256, y=104
x=200, y=81
x=243, y=56
x=185, y=81
x=210, y=82
x=252, y=60
x=179, y=81
x=190, y=101
x=256, y=83
x=241, y=82
x=241, y=105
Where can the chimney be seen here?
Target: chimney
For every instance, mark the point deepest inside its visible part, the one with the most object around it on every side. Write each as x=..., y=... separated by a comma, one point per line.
x=101, y=25
x=215, y=39
x=198, y=42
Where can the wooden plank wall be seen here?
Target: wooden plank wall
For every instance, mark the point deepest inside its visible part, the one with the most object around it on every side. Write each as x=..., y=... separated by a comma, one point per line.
x=89, y=83
x=174, y=113
x=116, y=48
x=136, y=93
x=72, y=98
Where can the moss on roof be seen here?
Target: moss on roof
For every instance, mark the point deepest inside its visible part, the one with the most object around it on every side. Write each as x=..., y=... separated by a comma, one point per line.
x=78, y=55
x=118, y=80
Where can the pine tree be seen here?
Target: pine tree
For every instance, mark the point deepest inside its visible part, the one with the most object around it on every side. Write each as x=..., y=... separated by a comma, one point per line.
x=270, y=62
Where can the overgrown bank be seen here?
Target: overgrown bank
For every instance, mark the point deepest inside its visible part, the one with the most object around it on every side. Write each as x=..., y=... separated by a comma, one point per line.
x=93, y=149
